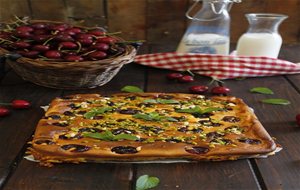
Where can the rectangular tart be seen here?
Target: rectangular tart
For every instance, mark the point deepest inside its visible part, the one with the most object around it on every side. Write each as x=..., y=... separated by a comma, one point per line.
x=148, y=127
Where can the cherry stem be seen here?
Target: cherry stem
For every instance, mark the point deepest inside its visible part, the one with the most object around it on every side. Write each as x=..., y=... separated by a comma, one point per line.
x=5, y=104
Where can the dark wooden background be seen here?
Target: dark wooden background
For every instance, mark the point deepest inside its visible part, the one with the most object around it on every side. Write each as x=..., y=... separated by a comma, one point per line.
x=156, y=21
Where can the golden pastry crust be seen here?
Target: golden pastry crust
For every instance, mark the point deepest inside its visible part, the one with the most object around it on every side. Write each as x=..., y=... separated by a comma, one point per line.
x=148, y=126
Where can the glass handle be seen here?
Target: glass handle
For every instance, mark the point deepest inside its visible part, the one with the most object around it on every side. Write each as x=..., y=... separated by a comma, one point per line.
x=187, y=14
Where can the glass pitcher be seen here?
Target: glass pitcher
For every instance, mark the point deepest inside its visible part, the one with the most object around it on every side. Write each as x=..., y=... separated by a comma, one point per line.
x=262, y=37
x=209, y=30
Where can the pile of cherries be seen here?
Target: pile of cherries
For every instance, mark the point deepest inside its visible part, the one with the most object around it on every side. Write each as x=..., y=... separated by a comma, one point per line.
x=15, y=104
x=59, y=42
x=197, y=89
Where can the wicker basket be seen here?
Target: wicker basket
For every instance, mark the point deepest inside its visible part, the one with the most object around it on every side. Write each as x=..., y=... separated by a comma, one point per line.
x=70, y=75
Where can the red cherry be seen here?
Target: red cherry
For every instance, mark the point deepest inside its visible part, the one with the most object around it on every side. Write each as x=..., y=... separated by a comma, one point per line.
x=20, y=45
x=72, y=31
x=72, y=58
x=40, y=37
x=29, y=54
x=52, y=54
x=39, y=25
x=58, y=27
x=186, y=78
x=220, y=90
x=40, y=32
x=84, y=36
x=174, y=76
x=97, y=55
x=100, y=46
x=67, y=45
x=41, y=48
x=199, y=89
x=107, y=39
x=63, y=38
x=97, y=32
x=22, y=34
x=20, y=104
x=24, y=29
x=4, y=112
x=85, y=41
x=298, y=119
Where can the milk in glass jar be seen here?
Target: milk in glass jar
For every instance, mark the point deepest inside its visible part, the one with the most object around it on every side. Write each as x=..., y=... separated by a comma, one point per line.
x=209, y=31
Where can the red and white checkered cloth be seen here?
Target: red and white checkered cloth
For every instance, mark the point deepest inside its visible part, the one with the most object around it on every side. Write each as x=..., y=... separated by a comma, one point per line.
x=219, y=66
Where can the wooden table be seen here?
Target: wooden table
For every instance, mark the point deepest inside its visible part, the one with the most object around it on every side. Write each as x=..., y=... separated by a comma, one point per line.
x=281, y=171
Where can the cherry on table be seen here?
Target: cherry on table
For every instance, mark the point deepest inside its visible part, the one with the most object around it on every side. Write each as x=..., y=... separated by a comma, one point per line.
x=174, y=76
x=220, y=90
x=20, y=104
x=4, y=111
x=198, y=89
x=186, y=79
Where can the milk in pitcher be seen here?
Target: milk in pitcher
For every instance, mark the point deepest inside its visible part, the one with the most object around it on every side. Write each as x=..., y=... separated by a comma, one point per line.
x=259, y=44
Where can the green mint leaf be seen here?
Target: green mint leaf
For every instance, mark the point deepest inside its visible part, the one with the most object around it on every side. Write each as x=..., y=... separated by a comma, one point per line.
x=89, y=115
x=131, y=89
x=96, y=111
x=153, y=116
x=261, y=90
x=125, y=137
x=170, y=119
x=152, y=101
x=197, y=109
x=106, y=136
x=161, y=101
x=276, y=101
x=189, y=110
x=145, y=182
x=208, y=110
x=167, y=101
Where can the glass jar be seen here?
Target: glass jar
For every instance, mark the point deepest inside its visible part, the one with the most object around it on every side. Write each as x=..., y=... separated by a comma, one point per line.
x=209, y=31
x=262, y=37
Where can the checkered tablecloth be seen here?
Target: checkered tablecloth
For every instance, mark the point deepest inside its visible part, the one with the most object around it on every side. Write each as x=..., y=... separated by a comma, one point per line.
x=219, y=66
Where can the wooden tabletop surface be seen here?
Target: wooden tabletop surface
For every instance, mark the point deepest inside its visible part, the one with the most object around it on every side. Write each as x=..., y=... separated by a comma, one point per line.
x=281, y=171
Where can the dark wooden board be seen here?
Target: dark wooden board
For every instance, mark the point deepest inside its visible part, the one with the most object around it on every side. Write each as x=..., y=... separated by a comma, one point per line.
x=202, y=175
x=17, y=128
x=30, y=175
x=89, y=12
x=11, y=8
x=279, y=171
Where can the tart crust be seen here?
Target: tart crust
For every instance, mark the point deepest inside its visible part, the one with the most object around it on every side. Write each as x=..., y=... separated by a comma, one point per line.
x=133, y=127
